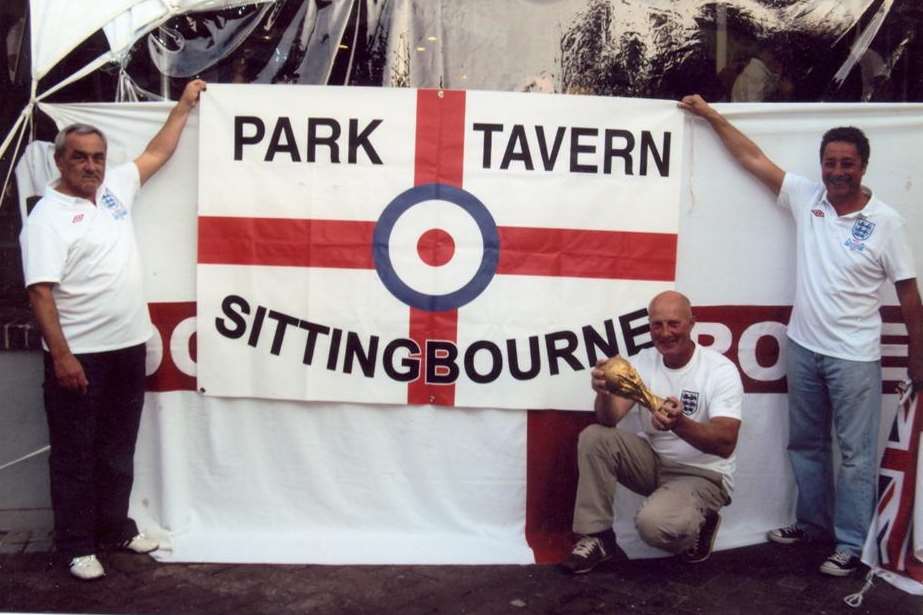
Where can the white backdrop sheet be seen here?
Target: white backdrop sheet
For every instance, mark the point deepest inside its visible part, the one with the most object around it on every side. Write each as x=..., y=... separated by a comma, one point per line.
x=274, y=481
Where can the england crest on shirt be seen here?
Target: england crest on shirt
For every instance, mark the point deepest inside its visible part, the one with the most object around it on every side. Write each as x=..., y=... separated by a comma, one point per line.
x=690, y=401
x=111, y=203
x=862, y=229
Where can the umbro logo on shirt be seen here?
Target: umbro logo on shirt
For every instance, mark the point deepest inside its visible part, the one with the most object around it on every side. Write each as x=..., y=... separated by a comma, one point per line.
x=818, y=213
x=77, y=219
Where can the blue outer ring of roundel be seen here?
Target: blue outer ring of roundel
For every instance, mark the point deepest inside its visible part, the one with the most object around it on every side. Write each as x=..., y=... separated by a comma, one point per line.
x=381, y=239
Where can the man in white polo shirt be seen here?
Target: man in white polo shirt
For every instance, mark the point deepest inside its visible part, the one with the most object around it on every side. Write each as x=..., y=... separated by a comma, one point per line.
x=848, y=243
x=682, y=460
x=83, y=275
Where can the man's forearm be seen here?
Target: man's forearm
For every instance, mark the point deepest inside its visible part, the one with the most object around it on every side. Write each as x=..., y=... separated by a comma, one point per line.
x=610, y=409
x=739, y=145
x=67, y=368
x=912, y=313
x=915, y=349
x=715, y=437
x=164, y=142
x=742, y=148
x=161, y=147
x=45, y=312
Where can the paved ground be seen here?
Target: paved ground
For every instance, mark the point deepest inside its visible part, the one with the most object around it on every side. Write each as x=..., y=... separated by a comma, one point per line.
x=763, y=580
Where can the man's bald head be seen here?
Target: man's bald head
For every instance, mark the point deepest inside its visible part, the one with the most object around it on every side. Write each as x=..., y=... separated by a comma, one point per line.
x=673, y=300
x=671, y=320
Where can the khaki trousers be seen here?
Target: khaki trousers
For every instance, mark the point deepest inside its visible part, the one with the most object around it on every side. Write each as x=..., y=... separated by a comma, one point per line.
x=678, y=495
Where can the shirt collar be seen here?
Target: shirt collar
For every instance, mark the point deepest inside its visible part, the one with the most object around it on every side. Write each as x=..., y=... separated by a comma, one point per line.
x=863, y=212
x=66, y=199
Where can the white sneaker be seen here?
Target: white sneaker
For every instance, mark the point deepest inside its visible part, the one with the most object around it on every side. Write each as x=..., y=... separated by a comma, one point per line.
x=140, y=544
x=87, y=568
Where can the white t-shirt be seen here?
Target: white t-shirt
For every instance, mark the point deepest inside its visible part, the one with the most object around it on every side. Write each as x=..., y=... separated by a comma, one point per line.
x=842, y=261
x=90, y=255
x=708, y=386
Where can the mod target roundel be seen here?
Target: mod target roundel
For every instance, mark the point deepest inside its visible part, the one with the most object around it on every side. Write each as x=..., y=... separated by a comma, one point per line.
x=435, y=247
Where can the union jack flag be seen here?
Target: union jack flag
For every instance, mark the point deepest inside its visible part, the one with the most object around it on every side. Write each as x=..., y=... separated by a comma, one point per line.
x=889, y=545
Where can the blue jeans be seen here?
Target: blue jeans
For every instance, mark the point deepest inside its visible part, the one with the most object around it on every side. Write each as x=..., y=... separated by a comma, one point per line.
x=92, y=439
x=822, y=389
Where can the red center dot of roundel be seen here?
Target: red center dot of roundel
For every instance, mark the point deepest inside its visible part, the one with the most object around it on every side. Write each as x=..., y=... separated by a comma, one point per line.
x=435, y=247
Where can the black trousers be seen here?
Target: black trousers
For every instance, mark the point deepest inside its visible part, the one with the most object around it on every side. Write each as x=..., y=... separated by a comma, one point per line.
x=92, y=449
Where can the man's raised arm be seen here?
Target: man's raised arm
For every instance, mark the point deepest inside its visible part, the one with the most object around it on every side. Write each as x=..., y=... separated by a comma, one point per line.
x=162, y=146
x=745, y=151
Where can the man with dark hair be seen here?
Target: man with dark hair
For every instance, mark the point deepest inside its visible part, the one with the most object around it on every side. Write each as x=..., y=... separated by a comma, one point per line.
x=83, y=276
x=682, y=460
x=848, y=134
x=848, y=243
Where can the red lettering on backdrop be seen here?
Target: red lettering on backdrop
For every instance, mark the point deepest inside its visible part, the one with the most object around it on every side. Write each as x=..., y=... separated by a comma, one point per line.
x=167, y=376
x=765, y=353
x=749, y=335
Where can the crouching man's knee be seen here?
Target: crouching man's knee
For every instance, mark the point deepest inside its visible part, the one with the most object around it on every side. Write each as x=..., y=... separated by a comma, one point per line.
x=673, y=530
x=591, y=437
x=597, y=437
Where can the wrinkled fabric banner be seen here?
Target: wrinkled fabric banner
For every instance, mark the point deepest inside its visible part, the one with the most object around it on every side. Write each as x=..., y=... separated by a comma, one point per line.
x=239, y=480
x=421, y=246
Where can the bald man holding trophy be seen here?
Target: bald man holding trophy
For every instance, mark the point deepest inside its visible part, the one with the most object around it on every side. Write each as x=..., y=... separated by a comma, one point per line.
x=683, y=458
x=623, y=379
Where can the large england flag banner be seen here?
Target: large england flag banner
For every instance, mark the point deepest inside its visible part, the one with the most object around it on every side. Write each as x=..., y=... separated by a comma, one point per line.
x=428, y=246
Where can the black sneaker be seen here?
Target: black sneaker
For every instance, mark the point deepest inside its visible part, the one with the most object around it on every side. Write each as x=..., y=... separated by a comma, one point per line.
x=788, y=535
x=588, y=553
x=702, y=548
x=840, y=564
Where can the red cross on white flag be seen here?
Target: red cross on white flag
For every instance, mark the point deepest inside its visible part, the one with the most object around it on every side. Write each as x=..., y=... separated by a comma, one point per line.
x=445, y=247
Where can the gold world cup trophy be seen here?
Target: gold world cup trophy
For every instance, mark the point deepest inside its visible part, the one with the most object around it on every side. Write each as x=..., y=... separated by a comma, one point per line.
x=622, y=379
